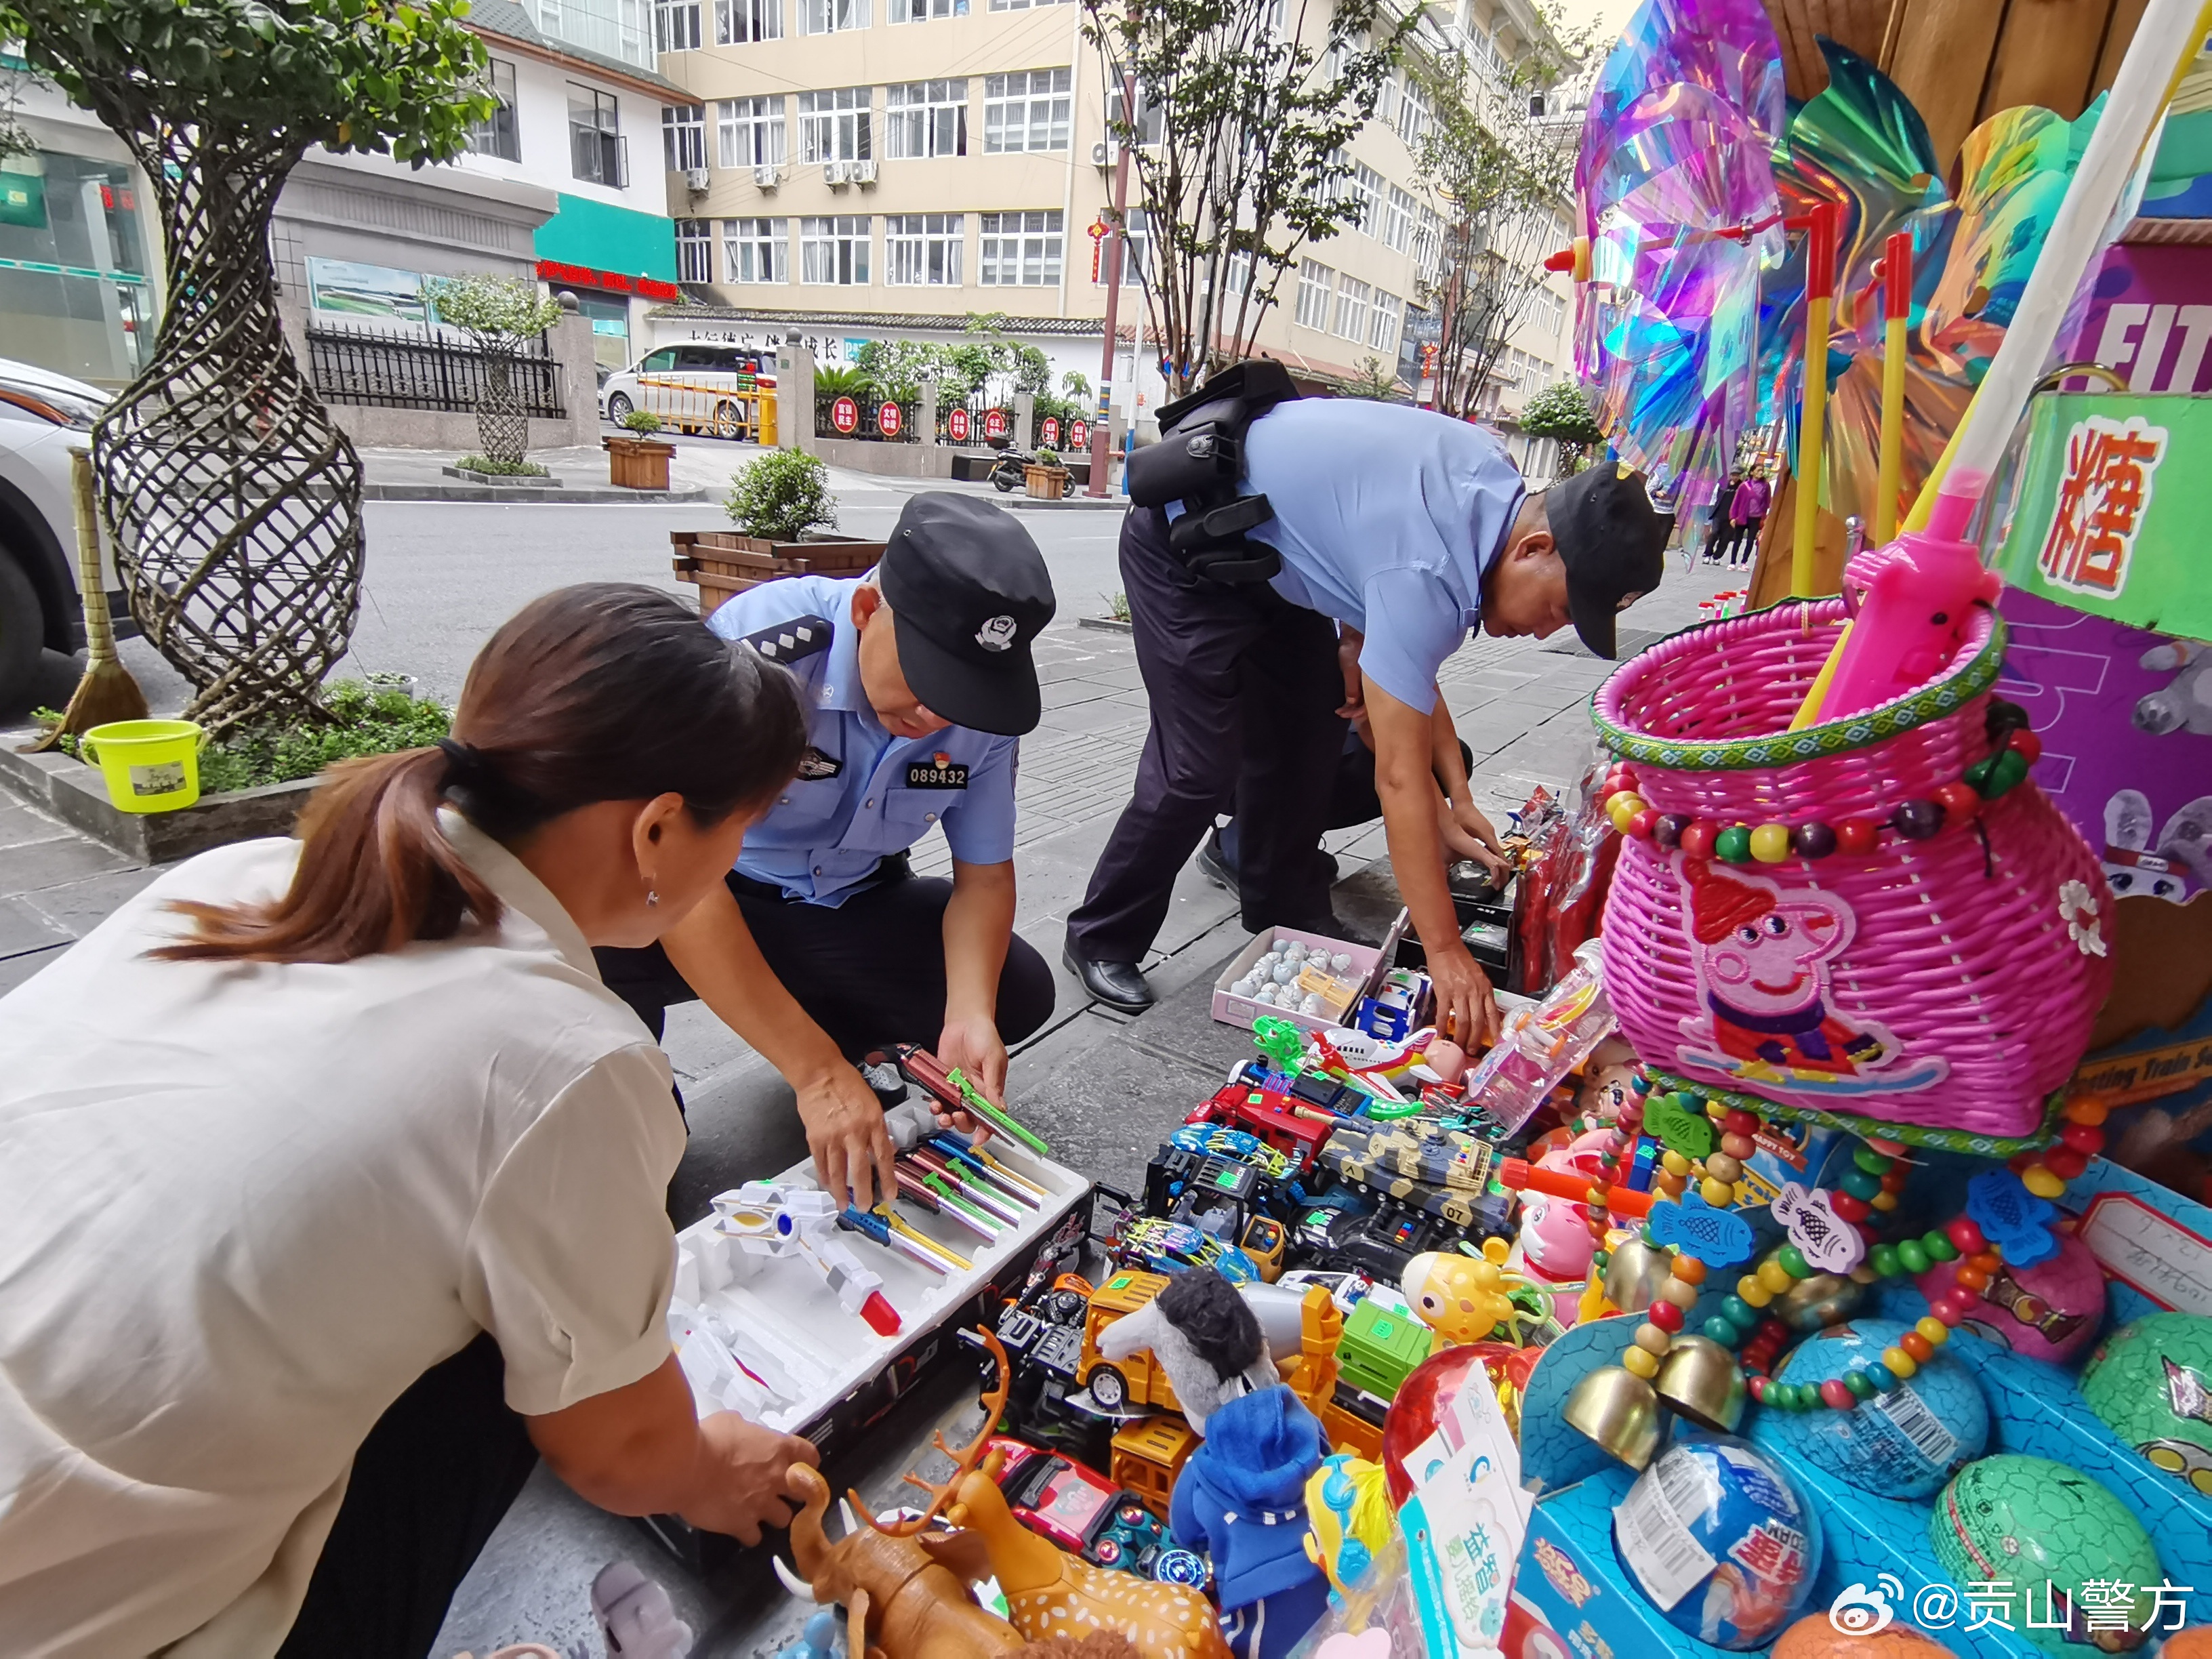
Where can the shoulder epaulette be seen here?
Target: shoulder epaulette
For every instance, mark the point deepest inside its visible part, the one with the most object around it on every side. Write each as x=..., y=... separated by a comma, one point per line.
x=787, y=642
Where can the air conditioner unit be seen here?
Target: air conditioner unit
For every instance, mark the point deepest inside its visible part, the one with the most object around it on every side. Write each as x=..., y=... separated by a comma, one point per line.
x=1103, y=155
x=836, y=173
x=766, y=174
x=863, y=173
x=696, y=180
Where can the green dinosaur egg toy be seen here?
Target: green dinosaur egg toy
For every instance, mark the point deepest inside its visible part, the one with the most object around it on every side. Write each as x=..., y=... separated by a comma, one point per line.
x=2027, y=1522
x=2151, y=1382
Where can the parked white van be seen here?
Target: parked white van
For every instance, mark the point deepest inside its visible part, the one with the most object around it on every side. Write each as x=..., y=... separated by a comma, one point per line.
x=697, y=387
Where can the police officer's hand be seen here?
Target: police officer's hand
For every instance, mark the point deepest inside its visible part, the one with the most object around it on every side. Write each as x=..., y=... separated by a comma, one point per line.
x=1467, y=1012
x=1468, y=835
x=973, y=1046
x=853, y=1150
x=1349, y=643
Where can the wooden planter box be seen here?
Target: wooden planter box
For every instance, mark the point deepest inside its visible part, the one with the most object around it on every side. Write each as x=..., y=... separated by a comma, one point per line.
x=720, y=562
x=1046, y=483
x=637, y=463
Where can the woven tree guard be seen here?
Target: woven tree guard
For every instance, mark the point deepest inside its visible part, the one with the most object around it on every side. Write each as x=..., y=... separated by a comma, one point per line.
x=232, y=500
x=501, y=315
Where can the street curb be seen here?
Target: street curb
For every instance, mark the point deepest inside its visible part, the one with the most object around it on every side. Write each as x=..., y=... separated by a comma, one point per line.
x=1104, y=624
x=1067, y=504
x=75, y=794
x=532, y=493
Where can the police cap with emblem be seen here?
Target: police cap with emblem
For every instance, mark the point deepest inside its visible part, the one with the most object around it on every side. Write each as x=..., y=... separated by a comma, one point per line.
x=967, y=590
x=1613, y=541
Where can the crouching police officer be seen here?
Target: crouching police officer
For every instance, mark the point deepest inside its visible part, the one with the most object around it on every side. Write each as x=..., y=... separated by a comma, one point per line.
x=917, y=681
x=1277, y=532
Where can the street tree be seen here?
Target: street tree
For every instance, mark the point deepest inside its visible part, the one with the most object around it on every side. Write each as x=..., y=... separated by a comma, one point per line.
x=1500, y=165
x=1237, y=140
x=1562, y=412
x=232, y=499
x=501, y=316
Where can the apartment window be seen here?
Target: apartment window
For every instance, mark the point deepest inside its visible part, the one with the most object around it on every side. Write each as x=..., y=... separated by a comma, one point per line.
x=1386, y=102
x=830, y=16
x=694, y=251
x=1023, y=5
x=675, y=25
x=1388, y=316
x=1237, y=273
x=1413, y=113
x=1151, y=114
x=833, y=250
x=1551, y=311
x=1137, y=248
x=1354, y=301
x=1397, y=220
x=1366, y=187
x=597, y=152
x=755, y=251
x=1027, y=109
x=1428, y=239
x=1019, y=250
x=833, y=126
x=925, y=117
x=749, y=131
x=498, y=134
x=1315, y=282
x=737, y=22
x=684, y=135
x=922, y=250
x=921, y=11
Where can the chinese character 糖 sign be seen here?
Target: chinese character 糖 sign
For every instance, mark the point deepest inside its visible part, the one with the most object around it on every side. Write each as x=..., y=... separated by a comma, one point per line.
x=2103, y=495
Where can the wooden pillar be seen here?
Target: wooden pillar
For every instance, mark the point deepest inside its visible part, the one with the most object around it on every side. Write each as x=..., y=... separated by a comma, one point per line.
x=1770, y=571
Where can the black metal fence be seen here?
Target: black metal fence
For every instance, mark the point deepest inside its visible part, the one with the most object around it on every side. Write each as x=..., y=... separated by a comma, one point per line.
x=398, y=371
x=866, y=412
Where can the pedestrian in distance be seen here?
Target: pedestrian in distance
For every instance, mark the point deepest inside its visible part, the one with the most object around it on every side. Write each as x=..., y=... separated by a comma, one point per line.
x=332, y=1180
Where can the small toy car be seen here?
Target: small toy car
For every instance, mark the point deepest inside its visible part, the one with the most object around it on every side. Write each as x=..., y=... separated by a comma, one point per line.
x=1080, y=1511
x=1170, y=1247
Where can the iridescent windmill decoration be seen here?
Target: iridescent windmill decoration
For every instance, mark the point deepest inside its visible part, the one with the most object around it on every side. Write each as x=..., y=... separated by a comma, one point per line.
x=1679, y=217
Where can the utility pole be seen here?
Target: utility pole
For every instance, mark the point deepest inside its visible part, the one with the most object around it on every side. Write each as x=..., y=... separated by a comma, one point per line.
x=1102, y=430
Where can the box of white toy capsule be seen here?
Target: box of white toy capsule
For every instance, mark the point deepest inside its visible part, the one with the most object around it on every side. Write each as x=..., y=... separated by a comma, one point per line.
x=787, y=1337
x=1309, y=979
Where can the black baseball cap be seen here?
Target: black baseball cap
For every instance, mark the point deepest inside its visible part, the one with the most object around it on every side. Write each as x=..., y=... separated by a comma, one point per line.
x=967, y=590
x=1613, y=541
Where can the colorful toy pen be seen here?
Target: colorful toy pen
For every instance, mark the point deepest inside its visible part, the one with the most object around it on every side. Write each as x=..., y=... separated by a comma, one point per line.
x=985, y=1172
x=873, y=1226
x=936, y=1184
x=1006, y=1178
x=899, y=1225
x=912, y=1186
x=972, y=1101
x=1004, y=1208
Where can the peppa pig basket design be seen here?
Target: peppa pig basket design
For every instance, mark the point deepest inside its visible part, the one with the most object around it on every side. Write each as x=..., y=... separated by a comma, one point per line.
x=1944, y=987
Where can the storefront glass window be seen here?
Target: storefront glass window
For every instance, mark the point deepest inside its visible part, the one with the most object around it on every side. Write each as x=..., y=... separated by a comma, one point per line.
x=609, y=320
x=74, y=293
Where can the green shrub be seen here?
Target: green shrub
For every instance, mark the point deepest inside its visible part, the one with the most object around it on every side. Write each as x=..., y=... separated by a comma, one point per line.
x=502, y=467
x=781, y=496
x=642, y=420
x=363, y=721
x=841, y=382
x=1048, y=458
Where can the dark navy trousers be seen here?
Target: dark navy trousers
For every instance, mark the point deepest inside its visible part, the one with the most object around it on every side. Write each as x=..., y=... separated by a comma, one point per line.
x=1244, y=689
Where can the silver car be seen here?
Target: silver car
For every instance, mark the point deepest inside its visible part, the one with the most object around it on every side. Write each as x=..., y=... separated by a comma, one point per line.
x=43, y=415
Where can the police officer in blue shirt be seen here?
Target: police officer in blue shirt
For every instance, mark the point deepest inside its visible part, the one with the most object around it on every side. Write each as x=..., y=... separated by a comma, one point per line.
x=918, y=682
x=1381, y=532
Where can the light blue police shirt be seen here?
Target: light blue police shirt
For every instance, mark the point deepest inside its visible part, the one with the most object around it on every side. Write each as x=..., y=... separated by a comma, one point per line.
x=872, y=793
x=1387, y=516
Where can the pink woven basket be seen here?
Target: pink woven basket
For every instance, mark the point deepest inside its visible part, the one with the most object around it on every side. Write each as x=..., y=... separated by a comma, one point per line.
x=1945, y=986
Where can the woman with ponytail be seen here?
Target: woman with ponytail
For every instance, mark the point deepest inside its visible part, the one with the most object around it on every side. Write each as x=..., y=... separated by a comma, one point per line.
x=332, y=1178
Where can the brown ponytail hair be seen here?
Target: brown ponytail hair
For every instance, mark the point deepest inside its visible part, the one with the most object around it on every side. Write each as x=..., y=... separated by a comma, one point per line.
x=603, y=691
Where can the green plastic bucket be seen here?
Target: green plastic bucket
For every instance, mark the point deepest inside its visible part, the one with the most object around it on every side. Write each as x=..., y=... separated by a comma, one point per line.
x=151, y=766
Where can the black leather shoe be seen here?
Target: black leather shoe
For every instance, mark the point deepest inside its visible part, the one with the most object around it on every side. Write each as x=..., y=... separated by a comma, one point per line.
x=1116, y=984
x=1213, y=867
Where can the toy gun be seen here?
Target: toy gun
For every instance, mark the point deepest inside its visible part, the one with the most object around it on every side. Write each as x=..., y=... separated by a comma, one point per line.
x=767, y=1219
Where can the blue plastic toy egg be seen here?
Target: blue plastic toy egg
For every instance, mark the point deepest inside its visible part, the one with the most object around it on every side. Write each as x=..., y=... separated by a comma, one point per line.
x=1907, y=1440
x=1720, y=1541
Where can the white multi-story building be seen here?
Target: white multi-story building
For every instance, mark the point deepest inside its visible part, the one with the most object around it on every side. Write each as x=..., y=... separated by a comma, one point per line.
x=847, y=170
x=549, y=189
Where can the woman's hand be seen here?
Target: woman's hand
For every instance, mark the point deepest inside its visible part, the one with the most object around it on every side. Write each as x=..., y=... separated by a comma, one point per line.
x=740, y=1483
x=1467, y=1012
x=973, y=1046
x=853, y=1150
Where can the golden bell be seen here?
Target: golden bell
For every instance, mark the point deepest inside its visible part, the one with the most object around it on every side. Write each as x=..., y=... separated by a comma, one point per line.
x=1815, y=1304
x=1618, y=1411
x=1701, y=1380
x=1635, y=1274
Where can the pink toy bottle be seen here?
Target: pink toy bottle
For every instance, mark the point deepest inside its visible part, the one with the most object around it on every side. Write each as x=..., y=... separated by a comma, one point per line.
x=1918, y=592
